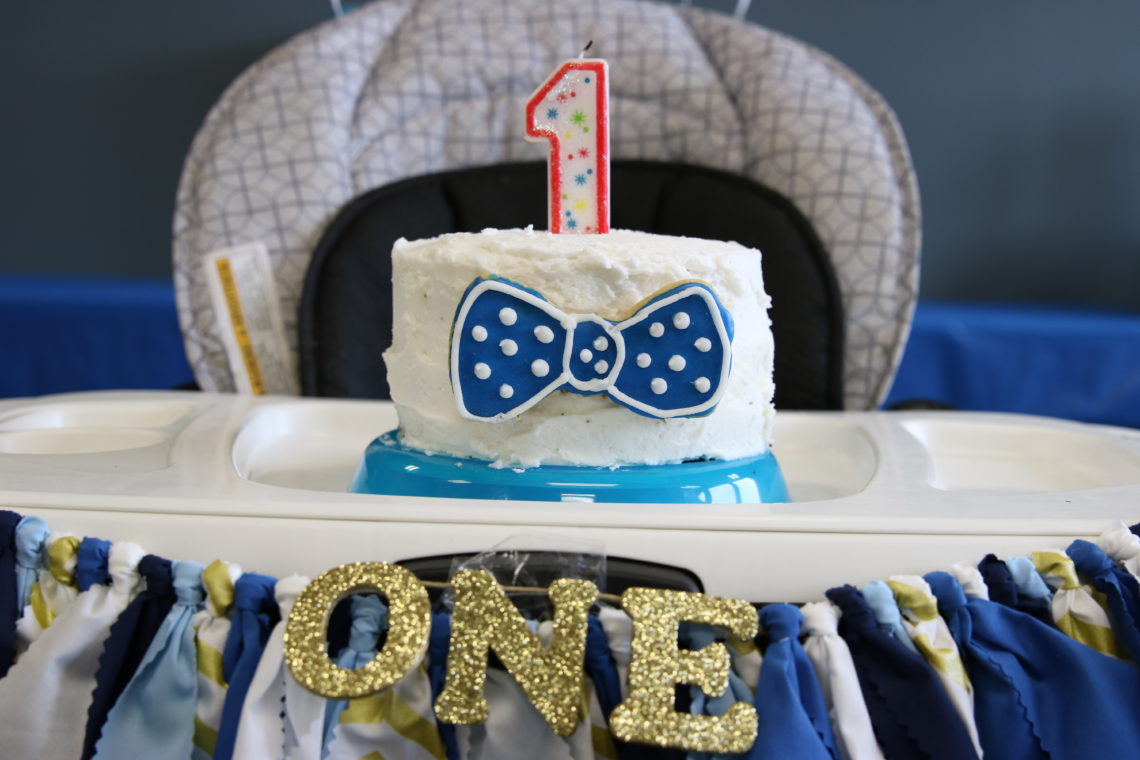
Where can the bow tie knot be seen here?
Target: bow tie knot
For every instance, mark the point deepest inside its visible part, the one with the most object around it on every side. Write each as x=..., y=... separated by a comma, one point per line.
x=510, y=348
x=594, y=349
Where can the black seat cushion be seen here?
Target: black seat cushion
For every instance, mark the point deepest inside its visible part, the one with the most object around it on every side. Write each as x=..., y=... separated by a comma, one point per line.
x=345, y=320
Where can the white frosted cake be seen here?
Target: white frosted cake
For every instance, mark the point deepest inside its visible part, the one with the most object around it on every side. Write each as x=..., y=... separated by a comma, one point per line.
x=618, y=363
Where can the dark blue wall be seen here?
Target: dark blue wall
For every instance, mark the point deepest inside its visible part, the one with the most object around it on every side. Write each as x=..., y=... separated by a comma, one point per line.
x=100, y=102
x=1023, y=118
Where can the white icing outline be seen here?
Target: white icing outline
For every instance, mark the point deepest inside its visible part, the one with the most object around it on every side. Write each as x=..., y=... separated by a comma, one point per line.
x=569, y=323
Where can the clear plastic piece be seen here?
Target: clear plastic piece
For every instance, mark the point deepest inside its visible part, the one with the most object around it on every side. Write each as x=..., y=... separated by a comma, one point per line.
x=535, y=561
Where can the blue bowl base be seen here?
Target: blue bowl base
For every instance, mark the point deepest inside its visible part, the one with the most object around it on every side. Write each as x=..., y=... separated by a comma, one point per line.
x=389, y=467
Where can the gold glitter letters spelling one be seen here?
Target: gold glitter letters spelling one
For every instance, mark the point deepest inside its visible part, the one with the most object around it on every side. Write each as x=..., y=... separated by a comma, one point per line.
x=485, y=619
x=409, y=618
x=656, y=665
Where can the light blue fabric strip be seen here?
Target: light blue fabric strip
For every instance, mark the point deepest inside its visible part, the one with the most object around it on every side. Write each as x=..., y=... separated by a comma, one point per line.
x=369, y=617
x=696, y=637
x=31, y=532
x=154, y=716
x=1029, y=583
x=881, y=600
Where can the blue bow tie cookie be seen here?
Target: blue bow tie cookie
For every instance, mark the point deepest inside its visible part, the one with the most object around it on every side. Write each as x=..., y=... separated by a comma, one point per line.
x=510, y=348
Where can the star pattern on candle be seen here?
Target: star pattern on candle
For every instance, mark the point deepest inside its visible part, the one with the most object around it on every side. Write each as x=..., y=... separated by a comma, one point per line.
x=569, y=111
x=565, y=110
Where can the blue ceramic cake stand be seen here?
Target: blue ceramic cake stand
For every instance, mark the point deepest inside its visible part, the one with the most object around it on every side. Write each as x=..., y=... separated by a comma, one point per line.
x=391, y=468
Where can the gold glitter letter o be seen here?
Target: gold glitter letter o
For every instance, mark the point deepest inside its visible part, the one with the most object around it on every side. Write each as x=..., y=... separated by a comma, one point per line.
x=656, y=665
x=409, y=619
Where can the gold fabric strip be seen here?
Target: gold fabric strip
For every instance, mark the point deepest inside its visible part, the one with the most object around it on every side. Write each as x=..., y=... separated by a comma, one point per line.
x=414, y=727
x=386, y=706
x=603, y=743
x=61, y=560
x=210, y=663
x=1096, y=636
x=219, y=586
x=205, y=738
x=40, y=608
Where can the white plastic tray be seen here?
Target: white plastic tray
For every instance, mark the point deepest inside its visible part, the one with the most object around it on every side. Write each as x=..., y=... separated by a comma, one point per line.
x=261, y=481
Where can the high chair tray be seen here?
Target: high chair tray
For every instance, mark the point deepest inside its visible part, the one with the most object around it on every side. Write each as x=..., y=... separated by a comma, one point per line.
x=264, y=481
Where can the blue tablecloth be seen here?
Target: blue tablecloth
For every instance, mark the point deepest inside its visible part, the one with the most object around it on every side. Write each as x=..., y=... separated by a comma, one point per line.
x=1080, y=364
x=79, y=334
x=72, y=334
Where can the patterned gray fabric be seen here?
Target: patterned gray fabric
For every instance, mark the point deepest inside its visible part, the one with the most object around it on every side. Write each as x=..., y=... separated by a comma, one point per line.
x=405, y=87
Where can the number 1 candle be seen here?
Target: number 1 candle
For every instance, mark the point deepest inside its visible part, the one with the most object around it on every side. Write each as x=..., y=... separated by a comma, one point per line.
x=571, y=111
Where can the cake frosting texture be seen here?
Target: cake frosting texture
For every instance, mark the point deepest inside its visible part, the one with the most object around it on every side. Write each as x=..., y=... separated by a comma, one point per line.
x=608, y=275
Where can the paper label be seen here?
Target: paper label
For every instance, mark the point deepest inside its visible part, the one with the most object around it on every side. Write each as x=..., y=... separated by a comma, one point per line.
x=244, y=295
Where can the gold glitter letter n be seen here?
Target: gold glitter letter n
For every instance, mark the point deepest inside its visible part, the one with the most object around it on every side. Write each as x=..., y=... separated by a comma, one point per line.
x=485, y=619
x=656, y=665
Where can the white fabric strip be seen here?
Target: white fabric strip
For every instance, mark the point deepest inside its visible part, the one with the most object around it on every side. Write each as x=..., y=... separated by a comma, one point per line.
x=619, y=633
x=514, y=729
x=303, y=721
x=970, y=578
x=45, y=697
x=261, y=731
x=840, y=684
x=1122, y=545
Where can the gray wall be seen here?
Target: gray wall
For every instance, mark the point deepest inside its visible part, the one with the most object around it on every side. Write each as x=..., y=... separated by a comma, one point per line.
x=1023, y=118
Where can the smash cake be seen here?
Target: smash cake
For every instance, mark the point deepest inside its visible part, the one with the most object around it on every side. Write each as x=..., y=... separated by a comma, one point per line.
x=525, y=355
x=578, y=364
x=669, y=360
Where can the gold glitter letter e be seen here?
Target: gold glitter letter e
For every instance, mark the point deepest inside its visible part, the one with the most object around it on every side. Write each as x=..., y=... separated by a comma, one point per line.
x=656, y=665
x=485, y=619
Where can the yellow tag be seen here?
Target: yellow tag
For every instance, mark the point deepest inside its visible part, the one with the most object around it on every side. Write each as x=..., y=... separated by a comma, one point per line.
x=237, y=322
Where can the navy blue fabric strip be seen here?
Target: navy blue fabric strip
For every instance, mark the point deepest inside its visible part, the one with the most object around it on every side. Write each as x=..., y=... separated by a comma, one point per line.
x=9, y=594
x=255, y=612
x=127, y=642
x=912, y=715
